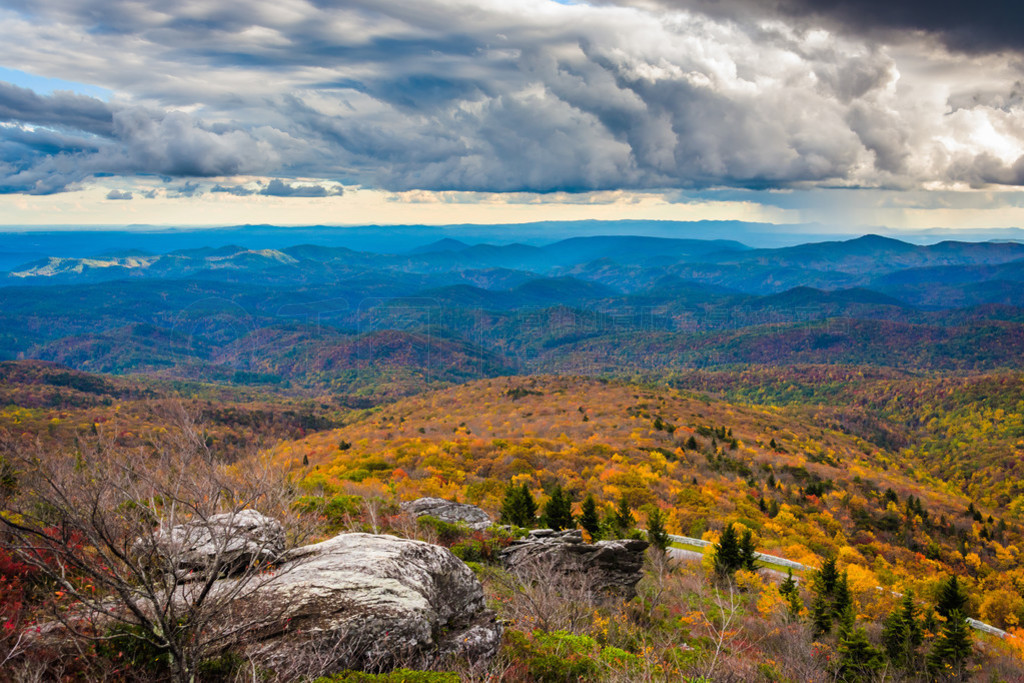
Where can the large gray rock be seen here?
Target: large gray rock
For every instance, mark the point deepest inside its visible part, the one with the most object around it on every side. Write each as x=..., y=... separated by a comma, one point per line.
x=606, y=566
x=232, y=540
x=365, y=601
x=450, y=512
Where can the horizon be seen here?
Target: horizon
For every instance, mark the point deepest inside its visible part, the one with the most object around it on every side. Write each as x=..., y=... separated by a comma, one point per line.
x=39, y=242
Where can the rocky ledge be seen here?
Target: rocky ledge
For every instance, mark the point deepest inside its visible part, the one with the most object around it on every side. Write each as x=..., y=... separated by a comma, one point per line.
x=608, y=566
x=447, y=511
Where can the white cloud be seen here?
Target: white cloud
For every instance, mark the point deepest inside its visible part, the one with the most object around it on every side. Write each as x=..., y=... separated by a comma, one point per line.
x=530, y=96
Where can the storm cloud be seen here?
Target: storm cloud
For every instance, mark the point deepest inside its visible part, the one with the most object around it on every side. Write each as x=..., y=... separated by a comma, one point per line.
x=493, y=96
x=976, y=27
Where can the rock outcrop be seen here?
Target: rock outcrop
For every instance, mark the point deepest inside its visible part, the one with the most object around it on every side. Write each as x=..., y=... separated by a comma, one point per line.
x=231, y=540
x=606, y=566
x=447, y=511
x=365, y=601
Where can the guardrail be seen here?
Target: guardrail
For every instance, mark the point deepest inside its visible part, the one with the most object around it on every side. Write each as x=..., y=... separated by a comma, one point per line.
x=783, y=562
x=763, y=557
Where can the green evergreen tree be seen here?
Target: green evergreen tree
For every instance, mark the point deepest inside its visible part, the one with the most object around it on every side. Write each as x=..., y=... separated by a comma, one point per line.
x=828, y=576
x=789, y=590
x=656, y=534
x=509, y=505
x=794, y=605
x=952, y=597
x=518, y=507
x=788, y=585
x=589, y=518
x=952, y=648
x=558, y=510
x=842, y=600
x=748, y=553
x=623, y=519
x=894, y=637
x=901, y=633
x=857, y=659
x=929, y=623
x=527, y=506
x=727, y=552
x=821, y=614
x=824, y=585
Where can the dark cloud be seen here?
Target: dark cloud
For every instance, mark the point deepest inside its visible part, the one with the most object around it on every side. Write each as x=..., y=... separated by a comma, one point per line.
x=54, y=142
x=61, y=109
x=279, y=188
x=984, y=26
x=119, y=194
x=979, y=26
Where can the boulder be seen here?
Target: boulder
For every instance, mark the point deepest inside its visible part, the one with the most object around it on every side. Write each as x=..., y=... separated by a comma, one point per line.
x=235, y=539
x=371, y=602
x=447, y=511
x=606, y=566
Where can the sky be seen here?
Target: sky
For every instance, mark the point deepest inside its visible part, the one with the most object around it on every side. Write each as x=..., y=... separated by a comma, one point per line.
x=906, y=114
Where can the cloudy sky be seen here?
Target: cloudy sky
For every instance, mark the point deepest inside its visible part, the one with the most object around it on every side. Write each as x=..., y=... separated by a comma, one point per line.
x=867, y=112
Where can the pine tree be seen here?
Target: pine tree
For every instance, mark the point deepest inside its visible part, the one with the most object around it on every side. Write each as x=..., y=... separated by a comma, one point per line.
x=894, y=637
x=656, y=534
x=748, y=553
x=821, y=614
x=509, y=505
x=842, y=600
x=518, y=507
x=727, y=552
x=527, y=506
x=829, y=576
x=791, y=593
x=858, y=660
x=794, y=605
x=589, y=519
x=788, y=586
x=952, y=647
x=929, y=623
x=826, y=585
x=901, y=633
x=952, y=598
x=623, y=519
x=558, y=510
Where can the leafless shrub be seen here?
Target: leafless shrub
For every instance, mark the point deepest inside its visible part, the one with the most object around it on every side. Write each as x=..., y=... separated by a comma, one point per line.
x=97, y=526
x=546, y=594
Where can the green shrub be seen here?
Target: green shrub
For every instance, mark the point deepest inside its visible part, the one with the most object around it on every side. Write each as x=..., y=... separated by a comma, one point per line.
x=469, y=550
x=220, y=669
x=129, y=646
x=335, y=509
x=556, y=657
x=481, y=548
x=561, y=657
x=357, y=475
x=446, y=533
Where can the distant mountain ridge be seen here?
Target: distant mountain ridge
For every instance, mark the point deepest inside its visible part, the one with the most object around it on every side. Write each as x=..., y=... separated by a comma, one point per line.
x=452, y=310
